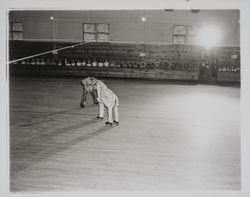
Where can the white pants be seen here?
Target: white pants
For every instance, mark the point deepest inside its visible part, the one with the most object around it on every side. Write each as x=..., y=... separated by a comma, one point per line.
x=111, y=110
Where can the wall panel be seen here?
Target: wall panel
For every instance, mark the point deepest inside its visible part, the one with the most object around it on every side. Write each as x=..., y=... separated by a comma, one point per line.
x=158, y=23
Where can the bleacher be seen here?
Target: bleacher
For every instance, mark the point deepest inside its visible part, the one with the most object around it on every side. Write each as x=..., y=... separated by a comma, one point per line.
x=130, y=60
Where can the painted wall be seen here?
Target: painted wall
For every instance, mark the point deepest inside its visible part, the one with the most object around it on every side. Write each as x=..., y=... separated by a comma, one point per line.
x=125, y=26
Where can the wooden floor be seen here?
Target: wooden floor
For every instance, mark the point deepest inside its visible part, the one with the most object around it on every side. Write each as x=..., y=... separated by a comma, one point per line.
x=171, y=136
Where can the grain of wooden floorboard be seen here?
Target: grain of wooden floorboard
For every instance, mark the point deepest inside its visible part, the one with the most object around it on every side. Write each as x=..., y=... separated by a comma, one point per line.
x=171, y=136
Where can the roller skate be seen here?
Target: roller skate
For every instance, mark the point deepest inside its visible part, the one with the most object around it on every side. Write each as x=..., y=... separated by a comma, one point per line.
x=108, y=123
x=99, y=118
x=116, y=123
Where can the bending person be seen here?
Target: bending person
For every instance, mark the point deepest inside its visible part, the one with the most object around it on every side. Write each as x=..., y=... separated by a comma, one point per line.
x=87, y=84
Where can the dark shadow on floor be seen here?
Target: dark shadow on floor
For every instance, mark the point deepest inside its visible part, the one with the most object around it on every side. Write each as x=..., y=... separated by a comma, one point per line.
x=45, y=116
x=26, y=153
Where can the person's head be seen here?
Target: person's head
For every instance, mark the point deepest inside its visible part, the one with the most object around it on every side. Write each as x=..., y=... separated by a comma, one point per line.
x=93, y=81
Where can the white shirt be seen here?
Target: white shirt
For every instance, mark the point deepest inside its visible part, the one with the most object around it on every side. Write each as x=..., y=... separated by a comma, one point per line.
x=105, y=95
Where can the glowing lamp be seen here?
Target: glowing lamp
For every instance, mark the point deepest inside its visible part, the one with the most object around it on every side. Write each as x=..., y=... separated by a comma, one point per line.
x=210, y=36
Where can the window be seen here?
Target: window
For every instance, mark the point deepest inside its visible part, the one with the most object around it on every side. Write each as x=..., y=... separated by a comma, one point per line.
x=185, y=34
x=192, y=34
x=179, y=34
x=17, y=31
x=95, y=32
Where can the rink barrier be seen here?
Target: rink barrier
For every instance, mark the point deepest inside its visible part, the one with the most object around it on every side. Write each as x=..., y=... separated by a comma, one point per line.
x=169, y=59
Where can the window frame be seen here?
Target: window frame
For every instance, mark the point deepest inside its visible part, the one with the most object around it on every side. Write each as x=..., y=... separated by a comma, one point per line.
x=16, y=32
x=186, y=34
x=96, y=32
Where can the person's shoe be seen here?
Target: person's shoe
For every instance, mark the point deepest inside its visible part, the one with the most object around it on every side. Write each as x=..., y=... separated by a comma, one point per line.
x=108, y=123
x=82, y=105
x=116, y=123
x=99, y=118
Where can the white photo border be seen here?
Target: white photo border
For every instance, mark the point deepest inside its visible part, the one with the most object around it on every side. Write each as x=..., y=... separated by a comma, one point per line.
x=242, y=5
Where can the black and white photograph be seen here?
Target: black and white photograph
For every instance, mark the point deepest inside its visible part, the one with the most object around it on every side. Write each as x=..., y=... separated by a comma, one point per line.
x=138, y=99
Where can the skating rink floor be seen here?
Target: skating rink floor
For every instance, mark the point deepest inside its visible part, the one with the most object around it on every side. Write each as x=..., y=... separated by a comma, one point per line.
x=170, y=137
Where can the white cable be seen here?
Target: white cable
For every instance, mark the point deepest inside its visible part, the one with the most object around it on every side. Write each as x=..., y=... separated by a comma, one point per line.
x=39, y=54
x=55, y=50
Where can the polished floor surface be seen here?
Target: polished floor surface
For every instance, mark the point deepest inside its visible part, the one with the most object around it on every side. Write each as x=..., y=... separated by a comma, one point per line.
x=170, y=137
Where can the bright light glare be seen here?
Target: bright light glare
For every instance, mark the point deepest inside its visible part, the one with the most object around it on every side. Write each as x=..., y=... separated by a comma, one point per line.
x=143, y=19
x=210, y=36
x=51, y=18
